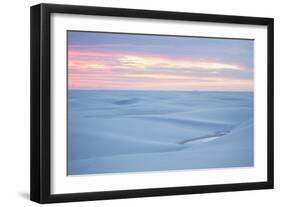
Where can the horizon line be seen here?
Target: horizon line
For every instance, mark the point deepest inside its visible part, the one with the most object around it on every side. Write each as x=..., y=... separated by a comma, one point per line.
x=160, y=90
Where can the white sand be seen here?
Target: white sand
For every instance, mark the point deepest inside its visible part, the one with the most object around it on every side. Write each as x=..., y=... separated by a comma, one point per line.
x=132, y=131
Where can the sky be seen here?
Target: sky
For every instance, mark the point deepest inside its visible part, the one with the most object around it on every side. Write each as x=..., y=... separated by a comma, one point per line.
x=116, y=61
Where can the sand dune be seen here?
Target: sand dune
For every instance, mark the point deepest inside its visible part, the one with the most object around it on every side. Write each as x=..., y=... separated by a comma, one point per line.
x=132, y=131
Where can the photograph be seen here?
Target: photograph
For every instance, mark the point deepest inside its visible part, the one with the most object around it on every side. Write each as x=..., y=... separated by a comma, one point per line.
x=139, y=103
x=129, y=103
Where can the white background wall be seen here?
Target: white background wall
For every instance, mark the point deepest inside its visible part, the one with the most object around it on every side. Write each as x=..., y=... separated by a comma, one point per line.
x=14, y=102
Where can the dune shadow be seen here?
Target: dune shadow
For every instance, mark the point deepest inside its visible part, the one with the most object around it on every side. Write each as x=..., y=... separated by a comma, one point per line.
x=126, y=101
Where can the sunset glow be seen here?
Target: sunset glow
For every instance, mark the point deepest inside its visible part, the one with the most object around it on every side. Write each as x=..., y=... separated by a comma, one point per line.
x=149, y=62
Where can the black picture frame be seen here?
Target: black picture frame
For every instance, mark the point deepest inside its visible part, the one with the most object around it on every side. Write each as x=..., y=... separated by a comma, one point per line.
x=40, y=180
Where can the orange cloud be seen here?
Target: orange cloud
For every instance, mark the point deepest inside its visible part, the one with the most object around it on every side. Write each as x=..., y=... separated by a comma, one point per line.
x=143, y=62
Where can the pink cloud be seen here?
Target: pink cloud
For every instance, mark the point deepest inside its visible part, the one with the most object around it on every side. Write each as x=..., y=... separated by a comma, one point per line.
x=98, y=70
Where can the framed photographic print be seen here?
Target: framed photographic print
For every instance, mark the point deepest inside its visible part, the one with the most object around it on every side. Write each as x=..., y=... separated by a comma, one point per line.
x=132, y=103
